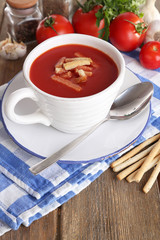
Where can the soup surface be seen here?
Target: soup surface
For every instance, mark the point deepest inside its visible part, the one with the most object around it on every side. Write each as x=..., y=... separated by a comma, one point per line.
x=104, y=71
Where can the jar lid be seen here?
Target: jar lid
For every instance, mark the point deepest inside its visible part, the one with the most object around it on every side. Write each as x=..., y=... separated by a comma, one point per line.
x=21, y=3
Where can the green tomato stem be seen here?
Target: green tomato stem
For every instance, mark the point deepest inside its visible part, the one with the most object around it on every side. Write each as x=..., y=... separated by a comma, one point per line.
x=140, y=27
x=49, y=22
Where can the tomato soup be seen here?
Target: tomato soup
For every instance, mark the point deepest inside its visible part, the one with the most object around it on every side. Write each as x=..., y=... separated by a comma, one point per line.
x=102, y=74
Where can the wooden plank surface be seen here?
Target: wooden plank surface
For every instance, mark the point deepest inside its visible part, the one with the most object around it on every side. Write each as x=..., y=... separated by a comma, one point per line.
x=112, y=210
x=106, y=210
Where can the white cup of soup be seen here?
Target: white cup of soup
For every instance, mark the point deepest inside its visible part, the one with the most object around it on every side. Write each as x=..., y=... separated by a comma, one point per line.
x=73, y=78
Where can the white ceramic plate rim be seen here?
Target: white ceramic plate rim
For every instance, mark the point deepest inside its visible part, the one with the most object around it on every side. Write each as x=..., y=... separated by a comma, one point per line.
x=65, y=160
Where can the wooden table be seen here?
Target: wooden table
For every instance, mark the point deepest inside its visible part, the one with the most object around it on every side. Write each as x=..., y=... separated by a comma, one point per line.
x=106, y=210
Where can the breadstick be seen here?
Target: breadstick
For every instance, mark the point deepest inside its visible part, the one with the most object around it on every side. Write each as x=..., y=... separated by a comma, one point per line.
x=59, y=70
x=135, y=150
x=130, y=169
x=147, y=161
x=133, y=159
x=60, y=62
x=76, y=63
x=152, y=178
x=130, y=178
x=77, y=58
x=78, y=54
x=85, y=68
x=66, y=82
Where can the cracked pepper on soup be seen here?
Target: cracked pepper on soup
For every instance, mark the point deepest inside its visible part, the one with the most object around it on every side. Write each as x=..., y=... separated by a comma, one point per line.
x=73, y=71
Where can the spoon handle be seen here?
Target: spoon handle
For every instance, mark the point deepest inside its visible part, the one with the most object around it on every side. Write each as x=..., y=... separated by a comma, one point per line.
x=37, y=168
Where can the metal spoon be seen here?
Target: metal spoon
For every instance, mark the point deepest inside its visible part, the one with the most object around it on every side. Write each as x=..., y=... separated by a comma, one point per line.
x=128, y=104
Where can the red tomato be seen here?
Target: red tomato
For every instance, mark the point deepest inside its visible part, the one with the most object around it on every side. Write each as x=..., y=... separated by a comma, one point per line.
x=123, y=33
x=52, y=26
x=85, y=22
x=150, y=55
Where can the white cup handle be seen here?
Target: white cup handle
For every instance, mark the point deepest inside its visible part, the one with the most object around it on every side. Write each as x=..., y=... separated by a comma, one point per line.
x=14, y=98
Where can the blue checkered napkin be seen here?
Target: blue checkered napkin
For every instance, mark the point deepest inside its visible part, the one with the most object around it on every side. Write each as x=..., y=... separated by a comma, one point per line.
x=34, y=196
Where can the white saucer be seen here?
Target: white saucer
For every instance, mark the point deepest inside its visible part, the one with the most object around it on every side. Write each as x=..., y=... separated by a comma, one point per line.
x=110, y=138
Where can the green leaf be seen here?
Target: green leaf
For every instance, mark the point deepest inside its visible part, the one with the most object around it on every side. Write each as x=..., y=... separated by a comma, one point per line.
x=99, y=16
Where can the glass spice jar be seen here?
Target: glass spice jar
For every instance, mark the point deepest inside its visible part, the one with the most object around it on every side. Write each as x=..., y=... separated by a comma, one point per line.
x=66, y=7
x=22, y=19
